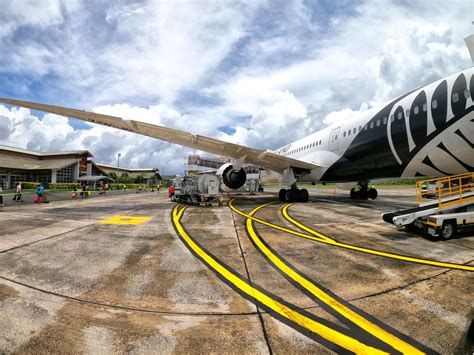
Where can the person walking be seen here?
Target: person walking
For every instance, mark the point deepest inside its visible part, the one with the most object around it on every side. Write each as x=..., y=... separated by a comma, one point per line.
x=39, y=193
x=17, y=197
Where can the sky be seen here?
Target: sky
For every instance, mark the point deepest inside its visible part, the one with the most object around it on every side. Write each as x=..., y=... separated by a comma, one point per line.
x=258, y=73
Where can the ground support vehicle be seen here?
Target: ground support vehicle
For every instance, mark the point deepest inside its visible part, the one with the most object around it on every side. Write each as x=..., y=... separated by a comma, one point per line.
x=200, y=190
x=447, y=225
x=450, y=213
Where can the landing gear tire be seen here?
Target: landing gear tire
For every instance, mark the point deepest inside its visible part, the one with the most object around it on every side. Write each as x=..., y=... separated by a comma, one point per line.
x=448, y=230
x=372, y=193
x=282, y=195
x=304, y=195
x=293, y=195
x=290, y=195
x=353, y=194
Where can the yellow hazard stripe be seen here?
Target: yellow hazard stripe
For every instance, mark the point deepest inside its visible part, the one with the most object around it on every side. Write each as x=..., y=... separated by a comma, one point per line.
x=346, y=312
x=325, y=332
x=317, y=238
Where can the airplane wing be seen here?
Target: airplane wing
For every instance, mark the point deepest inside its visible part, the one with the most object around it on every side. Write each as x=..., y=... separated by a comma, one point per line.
x=263, y=158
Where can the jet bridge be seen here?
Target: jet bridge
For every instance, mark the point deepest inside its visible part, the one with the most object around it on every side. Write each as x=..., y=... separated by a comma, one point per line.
x=435, y=196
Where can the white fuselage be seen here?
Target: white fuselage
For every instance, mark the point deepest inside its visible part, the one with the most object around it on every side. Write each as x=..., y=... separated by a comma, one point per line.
x=427, y=132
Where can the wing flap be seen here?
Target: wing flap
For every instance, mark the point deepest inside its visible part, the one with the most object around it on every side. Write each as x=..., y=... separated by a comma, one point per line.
x=258, y=157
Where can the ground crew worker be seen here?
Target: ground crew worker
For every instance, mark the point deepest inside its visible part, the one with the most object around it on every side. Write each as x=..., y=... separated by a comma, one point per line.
x=171, y=192
x=424, y=190
x=17, y=197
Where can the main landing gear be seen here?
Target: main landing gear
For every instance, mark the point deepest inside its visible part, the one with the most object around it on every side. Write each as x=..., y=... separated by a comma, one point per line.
x=293, y=195
x=362, y=191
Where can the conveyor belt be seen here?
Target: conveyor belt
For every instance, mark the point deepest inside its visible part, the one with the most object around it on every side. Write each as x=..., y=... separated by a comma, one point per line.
x=388, y=217
x=406, y=217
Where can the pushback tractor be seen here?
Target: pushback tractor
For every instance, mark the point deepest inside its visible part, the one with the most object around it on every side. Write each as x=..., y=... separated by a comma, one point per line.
x=446, y=207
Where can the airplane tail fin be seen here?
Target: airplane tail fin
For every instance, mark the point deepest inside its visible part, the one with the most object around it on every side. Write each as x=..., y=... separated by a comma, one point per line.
x=470, y=45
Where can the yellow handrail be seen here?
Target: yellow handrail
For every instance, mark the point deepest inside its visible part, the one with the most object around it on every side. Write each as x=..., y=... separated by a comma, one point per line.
x=446, y=186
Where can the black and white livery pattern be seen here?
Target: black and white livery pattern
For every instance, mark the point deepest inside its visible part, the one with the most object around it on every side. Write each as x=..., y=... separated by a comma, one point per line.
x=427, y=132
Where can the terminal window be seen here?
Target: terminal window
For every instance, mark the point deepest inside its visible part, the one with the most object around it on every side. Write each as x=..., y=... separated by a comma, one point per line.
x=66, y=174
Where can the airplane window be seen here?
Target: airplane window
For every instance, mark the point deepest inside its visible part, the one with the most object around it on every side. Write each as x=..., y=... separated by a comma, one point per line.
x=455, y=97
x=407, y=112
x=344, y=134
x=354, y=130
x=425, y=107
x=385, y=120
x=335, y=137
x=467, y=94
x=378, y=123
x=434, y=104
x=399, y=116
x=360, y=128
x=349, y=132
x=371, y=125
x=365, y=127
x=392, y=118
x=416, y=110
x=320, y=142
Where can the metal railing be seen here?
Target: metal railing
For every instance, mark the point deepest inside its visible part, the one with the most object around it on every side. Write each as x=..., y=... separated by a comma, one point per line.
x=448, y=190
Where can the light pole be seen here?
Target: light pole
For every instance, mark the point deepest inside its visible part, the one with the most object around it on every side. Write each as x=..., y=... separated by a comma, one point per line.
x=118, y=164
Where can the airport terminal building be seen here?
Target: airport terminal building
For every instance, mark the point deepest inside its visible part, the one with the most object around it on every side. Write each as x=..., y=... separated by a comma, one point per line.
x=21, y=165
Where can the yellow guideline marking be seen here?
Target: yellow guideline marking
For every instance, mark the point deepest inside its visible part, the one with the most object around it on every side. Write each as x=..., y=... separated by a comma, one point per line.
x=125, y=220
x=303, y=227
x=346, y=312
x=354, y=247
x=332, y=335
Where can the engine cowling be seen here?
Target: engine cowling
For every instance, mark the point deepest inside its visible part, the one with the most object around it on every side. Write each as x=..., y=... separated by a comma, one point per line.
x=232, y=178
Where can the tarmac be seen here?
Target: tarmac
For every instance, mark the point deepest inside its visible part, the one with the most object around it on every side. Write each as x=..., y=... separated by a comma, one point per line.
x=135, y=273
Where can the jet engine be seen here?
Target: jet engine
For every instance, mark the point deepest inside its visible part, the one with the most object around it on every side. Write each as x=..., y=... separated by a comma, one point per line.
x=232, y=179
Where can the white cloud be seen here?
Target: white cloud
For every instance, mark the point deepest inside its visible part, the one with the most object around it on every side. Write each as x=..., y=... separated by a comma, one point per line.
x=54, y=133
x=197, y=66
x=16, y=14
x=372, y=57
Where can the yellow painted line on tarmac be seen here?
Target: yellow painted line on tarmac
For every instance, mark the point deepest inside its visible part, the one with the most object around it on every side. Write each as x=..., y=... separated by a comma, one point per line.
x=303, y=227
x=125, y=220
x=293, y=316
x=340, y=308
x=354, y=247
x=382, y=253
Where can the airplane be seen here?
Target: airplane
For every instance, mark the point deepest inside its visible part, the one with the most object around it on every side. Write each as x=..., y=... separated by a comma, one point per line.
x=426, y=132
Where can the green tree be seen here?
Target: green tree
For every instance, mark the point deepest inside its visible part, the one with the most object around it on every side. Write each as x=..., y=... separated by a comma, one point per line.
x=112, y=175
x=126, y=179
x=140, y=179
